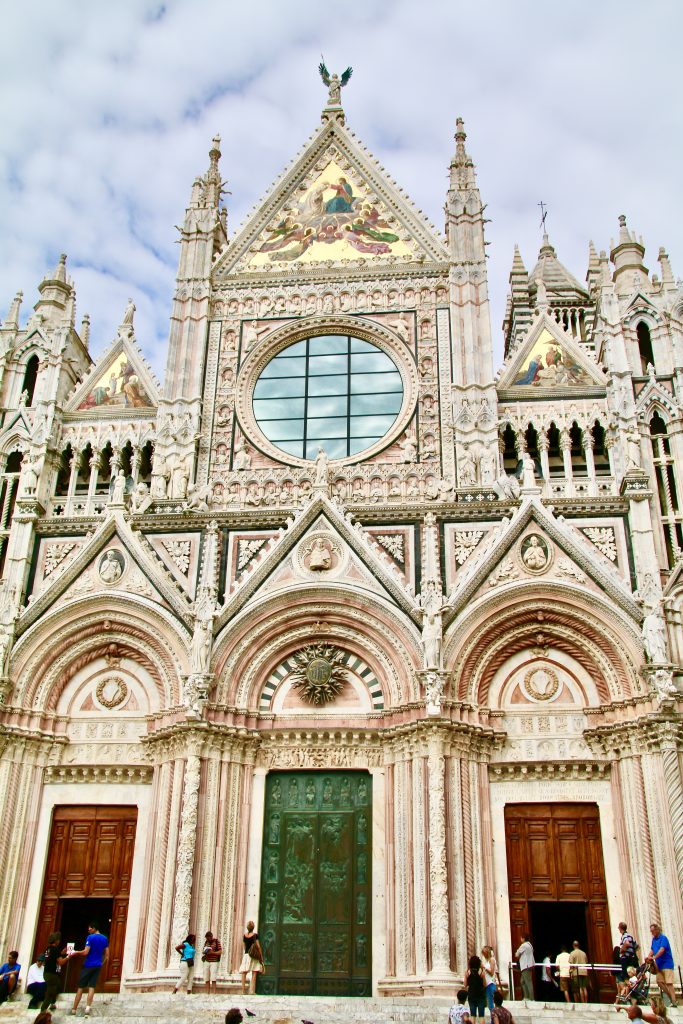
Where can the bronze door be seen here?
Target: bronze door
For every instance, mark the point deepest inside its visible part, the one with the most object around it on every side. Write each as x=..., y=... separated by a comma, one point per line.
x=315, y=914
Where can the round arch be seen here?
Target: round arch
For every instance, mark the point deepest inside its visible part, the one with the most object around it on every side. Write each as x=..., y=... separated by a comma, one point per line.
x=592, y=632
x=251, y=647
x=82, y=631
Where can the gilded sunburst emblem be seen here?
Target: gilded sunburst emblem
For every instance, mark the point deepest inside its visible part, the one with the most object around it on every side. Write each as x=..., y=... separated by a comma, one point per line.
x=319, y=674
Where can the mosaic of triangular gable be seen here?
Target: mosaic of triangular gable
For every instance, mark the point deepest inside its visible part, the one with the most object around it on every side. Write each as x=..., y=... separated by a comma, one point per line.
x=334, y=219
x=549, y=365
x=117, y=387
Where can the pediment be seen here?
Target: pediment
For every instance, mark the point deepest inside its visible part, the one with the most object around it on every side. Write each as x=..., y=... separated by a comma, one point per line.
x=534, y=546
x=119, y=383
x=639, y=304
x=653, y=394
x=113, y=561
x=334, y=205
x=548, y=363
x=321, y=546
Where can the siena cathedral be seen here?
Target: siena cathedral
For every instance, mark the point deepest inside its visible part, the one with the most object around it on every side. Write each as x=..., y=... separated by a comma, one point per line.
x=342, y=629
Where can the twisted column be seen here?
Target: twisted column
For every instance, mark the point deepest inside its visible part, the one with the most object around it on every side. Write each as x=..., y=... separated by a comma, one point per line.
x=437, y=860
x=186, y=850
x=674, y=793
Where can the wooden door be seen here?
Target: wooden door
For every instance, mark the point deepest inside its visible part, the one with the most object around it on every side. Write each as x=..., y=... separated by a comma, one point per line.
x=315, y=915
x=554, y=855
x=90, y=856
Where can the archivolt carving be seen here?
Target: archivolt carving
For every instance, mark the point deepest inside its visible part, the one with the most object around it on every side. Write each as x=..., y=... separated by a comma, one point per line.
x=589, y=633
x=252, y=645
x=82, y=632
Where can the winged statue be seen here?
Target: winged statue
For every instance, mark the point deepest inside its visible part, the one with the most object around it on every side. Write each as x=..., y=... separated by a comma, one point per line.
x=334, y=83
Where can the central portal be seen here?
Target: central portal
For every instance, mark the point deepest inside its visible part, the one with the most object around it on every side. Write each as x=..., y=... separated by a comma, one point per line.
x=315, y=913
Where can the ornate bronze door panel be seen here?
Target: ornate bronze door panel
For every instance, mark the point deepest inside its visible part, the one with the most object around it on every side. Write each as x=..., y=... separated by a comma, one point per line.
x=314, y=918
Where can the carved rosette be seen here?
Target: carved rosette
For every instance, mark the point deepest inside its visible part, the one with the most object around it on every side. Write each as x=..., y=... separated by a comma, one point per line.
x=438, y=878
x=186, y=850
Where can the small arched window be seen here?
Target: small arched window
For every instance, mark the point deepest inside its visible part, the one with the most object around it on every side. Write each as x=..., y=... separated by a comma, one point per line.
x=30, y=378
x=647, y=356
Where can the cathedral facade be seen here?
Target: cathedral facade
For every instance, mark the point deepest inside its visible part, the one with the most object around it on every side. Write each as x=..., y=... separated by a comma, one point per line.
x=341, y=630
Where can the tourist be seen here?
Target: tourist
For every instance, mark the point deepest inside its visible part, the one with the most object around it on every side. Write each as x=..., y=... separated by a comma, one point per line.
x=660, y=952
x=579, y=974
x=211, y=955
x=187, y=952
x=458, y=1013
x=525, y=955
x=233, y=1016
x=549, y=985
x=252, y=961
x=628, y=950
x=659, y=1014
x=563, y=963
x=96, y=952
x=499, y=1014
x=475, y=983
x=35, y=982
x=488, y=962
x=9, y=976
x=55, y=958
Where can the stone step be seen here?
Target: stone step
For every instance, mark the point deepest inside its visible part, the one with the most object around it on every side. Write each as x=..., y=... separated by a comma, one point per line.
x=148, y=1008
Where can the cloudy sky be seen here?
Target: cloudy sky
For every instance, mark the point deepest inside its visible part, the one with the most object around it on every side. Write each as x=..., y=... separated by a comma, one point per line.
x=107, y=111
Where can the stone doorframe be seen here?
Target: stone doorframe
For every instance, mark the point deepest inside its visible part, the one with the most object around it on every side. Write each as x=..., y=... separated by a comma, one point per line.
x=306, y=752
x=579, y=788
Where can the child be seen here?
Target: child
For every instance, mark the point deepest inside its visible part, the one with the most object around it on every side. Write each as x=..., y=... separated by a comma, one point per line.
x=458, y=1013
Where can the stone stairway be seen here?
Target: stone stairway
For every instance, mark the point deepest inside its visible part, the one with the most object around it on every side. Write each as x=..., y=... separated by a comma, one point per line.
x=152, y=1008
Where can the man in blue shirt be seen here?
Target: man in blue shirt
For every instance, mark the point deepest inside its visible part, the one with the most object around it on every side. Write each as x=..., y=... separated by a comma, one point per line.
x=9, y=976
x=661, y=954
x=96, y=952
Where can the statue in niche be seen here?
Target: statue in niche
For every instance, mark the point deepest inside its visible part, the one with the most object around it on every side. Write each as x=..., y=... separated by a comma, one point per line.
x=408, y=448
x=241, y=457
x=276, y=795
x=362, y=868
x=467, y=470
x=487, y=467
x=111, y=566
x=327, y=792
x=274, y=830
x=294, y=792
x=361, y=908
x=362, y=830
x=361, y=950
x=118, y=488
x=310, y=792
x=654, y=637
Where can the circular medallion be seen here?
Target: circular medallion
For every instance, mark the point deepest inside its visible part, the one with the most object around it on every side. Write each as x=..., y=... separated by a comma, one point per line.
x=535, y=553
x=318, y=671
x=111, y=691
x=111, y=566
x=541, y=683
x=320, y=555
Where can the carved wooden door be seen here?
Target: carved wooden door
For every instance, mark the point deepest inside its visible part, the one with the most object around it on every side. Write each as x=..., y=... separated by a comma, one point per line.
x=90, y=859
x=554, y=856
x=314, y=919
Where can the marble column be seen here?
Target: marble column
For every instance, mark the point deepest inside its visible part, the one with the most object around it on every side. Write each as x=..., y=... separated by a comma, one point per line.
x=185, y=856
x=438, y=872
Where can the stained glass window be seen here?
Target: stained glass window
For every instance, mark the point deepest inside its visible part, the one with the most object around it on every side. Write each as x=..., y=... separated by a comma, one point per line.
x=332, y=391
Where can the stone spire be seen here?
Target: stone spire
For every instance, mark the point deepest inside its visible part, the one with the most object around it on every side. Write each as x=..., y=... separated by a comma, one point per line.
x=627, y=256
x=473, y=355
x=12, y=318
x=212, y=178
x=462, y=167
x=668, y=280
x=55, y=293
x=593, y=272
x=561, y=285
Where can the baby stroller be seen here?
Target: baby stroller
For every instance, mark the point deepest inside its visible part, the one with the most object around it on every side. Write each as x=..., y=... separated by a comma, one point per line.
x=637, y=988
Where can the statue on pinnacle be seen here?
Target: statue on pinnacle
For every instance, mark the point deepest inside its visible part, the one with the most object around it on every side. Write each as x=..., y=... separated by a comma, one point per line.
x=334, y=83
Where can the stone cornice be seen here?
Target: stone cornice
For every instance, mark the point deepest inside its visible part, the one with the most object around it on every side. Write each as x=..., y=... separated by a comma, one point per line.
x=648, y=734
x=549, y=771
x=66, y=774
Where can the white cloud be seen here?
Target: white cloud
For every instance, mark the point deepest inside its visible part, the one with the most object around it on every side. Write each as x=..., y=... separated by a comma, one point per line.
x=108, y=111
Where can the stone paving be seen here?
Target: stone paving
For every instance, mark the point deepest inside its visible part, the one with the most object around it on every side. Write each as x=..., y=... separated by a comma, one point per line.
x=201, y=1009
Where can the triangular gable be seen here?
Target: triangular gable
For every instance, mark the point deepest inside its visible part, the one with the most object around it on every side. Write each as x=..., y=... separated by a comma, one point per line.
x=501, y=562
x=35, y=337
x=119, y=382
x=549, y=363
x=655, y=393
x=84, y=575
x=334, y=203
x=638, y=305
x=371, y=558
x=17, y=426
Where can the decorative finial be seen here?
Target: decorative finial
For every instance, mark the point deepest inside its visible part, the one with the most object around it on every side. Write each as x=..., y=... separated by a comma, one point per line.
x=334, y=83
x=544, y=214
x=128, y=314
